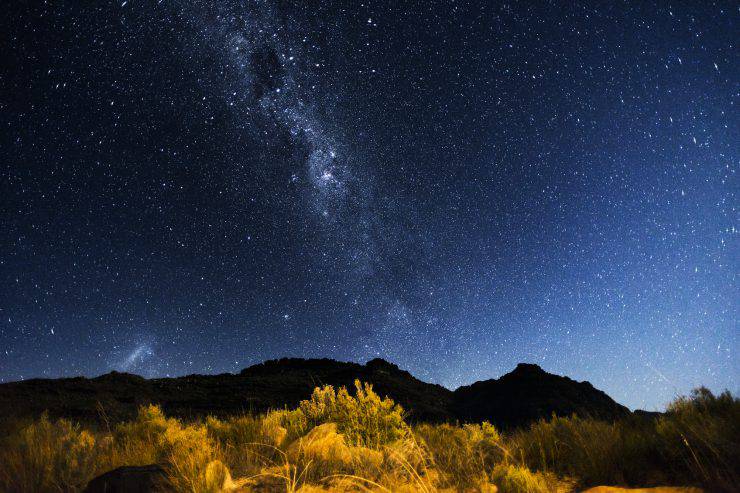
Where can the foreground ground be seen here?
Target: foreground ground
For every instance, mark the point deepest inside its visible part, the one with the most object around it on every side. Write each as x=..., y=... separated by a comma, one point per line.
x=356, y=441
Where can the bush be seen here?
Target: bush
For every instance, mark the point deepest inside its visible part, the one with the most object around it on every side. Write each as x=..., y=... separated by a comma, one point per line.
x=701, y=435
x=188, y=453
x=364, y=419
x=697, y=442
x=237, y=438
x=52, y=456
x=235, y=431
x=280, y=427
x=595, y=452
x=462, y=455
x=139, y=440
x=184, y=450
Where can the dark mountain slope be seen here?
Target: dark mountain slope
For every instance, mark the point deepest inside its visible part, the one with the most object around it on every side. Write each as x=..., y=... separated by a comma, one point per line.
x=269, y=385
x=524, y=395
x=529, y=393
x=298, y=377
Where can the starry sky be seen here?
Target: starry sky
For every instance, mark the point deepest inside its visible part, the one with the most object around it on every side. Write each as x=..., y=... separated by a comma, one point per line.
x=454, y=186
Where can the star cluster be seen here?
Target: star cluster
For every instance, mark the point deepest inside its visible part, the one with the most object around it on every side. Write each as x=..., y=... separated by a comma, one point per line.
x=193, y=187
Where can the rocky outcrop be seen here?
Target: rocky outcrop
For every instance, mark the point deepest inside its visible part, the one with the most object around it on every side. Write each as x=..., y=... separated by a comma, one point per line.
x=130, y=479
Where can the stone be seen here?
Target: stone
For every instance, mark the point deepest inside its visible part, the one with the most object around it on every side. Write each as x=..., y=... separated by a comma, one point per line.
x=130, y=479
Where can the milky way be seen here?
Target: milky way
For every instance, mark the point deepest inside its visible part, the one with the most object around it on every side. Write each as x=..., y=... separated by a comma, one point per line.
x=194, y=187
x=270, y=64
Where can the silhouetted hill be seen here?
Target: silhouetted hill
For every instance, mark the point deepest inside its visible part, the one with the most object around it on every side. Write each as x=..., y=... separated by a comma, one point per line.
x=529, y=393
x=517, y=398
x=293, y=379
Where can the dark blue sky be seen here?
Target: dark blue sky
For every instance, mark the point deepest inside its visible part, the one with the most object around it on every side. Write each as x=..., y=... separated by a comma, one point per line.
x=193, y=187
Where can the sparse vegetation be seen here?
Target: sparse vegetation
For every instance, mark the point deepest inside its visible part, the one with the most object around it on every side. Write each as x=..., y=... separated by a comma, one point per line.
x=700, y=436
x=357, y=441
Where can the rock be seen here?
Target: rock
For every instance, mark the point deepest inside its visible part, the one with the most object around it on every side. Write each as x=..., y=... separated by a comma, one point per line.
x=130, y=479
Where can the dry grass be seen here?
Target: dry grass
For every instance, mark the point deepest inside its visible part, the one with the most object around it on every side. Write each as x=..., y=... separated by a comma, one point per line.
x=697, y=442
x=338, y=441
x=595, y=452
x=462, y=454
x=54, y=456
x=701, y=436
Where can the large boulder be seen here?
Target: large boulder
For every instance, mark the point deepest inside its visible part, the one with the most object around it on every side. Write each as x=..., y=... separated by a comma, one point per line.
x=130, y=479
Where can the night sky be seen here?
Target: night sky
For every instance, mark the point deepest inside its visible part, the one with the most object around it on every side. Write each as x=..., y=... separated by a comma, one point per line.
x=197, y=186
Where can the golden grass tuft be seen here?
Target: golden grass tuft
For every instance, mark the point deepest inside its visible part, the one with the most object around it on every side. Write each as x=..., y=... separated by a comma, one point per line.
x=52, y=456
x=701, y=435
x=464, y=454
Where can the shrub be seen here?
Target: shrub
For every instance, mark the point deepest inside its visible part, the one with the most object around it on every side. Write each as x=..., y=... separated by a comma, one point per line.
x=335, y=434
x=324, y=452
x=184, y=450
x=239, y=430
x=364, y=419
x=280, y=427
x=701, y=435
x=593, y=451
x=697, y=441
x=188, y=451
x=462, y=455
x=52, y=456
x=139, y=440
x=236, y=438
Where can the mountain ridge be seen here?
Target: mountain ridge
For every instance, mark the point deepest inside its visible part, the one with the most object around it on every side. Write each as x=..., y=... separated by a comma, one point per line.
x=515, y=399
